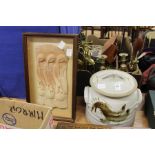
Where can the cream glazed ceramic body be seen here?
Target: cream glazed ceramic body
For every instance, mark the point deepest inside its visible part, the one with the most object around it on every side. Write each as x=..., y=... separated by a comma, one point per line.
x=114, y=111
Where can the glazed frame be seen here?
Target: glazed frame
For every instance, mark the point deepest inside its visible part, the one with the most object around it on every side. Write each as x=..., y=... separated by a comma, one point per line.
x=30, y=40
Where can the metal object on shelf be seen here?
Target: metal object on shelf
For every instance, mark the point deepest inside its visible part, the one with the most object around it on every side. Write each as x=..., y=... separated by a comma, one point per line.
x=123, y=67
x=123, y=61
x=133, y=65
x=86, y=55
x=123, y=57
x=102, y=61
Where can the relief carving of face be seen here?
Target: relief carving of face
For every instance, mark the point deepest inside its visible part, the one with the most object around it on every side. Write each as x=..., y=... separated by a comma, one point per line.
x=61, y=58
x=51, y=58
x=52, y=72
x=41, y=58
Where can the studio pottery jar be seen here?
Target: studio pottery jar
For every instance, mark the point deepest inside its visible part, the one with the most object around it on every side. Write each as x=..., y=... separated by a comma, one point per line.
x=112, y=98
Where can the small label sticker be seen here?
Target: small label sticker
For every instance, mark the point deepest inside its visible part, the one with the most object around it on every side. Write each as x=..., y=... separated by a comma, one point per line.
x=101, y=86
x=61, y=45
x=69, y=52
x=9, y=119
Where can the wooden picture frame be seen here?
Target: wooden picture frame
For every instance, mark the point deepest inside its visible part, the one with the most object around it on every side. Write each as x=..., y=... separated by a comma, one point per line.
x=50, y=72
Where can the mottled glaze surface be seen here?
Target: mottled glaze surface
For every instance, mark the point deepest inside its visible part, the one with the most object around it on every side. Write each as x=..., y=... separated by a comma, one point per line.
x=112, y=99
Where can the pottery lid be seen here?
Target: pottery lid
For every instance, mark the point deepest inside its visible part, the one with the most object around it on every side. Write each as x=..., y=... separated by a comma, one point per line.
x=113, y=83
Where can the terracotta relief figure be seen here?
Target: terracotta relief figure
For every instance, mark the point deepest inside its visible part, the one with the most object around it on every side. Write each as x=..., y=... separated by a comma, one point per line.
x=52, y=76
x=50, y=60
x=41, y=65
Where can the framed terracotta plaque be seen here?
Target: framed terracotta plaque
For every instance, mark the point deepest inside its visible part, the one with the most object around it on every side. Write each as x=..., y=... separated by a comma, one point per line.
x=50, y=72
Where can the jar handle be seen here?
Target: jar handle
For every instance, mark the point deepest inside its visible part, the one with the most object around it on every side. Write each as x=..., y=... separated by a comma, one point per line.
x=139, y=101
